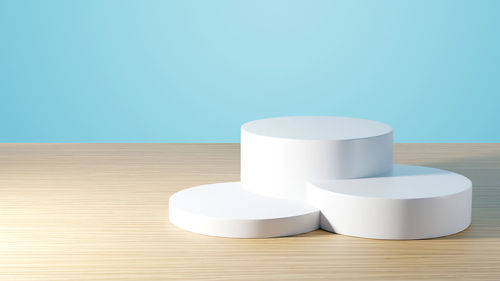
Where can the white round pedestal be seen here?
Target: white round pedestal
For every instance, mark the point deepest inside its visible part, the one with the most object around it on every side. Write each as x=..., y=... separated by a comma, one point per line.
x=279, y=155
x=411, y=202
x=226, y=209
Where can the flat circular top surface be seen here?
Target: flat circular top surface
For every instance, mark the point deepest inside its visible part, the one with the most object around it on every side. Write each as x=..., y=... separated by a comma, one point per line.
x=404, y=182
x=317, y=128
x=230, y=201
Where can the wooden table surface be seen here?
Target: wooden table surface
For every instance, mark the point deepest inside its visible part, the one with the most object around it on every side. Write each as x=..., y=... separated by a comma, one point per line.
x=100, y=212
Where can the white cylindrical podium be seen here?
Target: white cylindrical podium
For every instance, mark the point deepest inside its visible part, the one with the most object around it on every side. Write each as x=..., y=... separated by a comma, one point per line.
x=227, y=210
x=279, y=155
x=411, y=202
x=304, y=172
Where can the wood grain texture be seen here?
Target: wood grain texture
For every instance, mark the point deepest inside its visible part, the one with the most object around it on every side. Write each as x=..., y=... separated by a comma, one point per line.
x=100, y=212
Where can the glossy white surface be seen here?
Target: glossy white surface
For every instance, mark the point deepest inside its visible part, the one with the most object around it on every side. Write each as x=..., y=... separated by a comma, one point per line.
x=411, y=202
x=279, y=155
x=226, y=209
x=403, y=182
x=317, y=128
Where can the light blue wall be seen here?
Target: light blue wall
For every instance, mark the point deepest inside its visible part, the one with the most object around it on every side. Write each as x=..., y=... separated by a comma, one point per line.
x=194, y=71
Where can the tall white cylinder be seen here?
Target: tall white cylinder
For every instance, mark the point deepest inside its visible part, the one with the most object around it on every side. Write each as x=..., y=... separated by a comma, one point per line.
x=279, y=155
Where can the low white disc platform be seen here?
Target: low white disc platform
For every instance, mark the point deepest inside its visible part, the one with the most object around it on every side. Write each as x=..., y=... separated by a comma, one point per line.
x=228, y=210
x=279, y=155
x=411, y=202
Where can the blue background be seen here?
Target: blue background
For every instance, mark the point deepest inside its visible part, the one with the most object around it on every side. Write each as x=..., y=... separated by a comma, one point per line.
x=194, y=71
